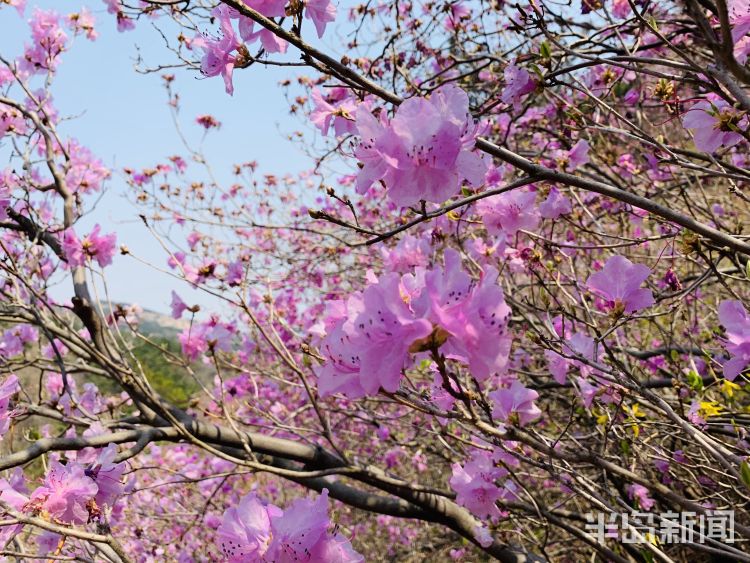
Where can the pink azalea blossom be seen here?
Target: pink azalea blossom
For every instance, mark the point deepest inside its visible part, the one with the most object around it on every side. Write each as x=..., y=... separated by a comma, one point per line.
x=578, y=155
x=620, y=283
x=218, y=58
x=555, y=205
x=340, y=113
x=12, y=492
x=49, y=42
x=85, y=173
x=92, y=246
x=409, y=253
x=475, y=316
x=258, y=532
x=475, y=486
x=66, y=492
x=518, y=83
x=517, y=400
x=376, y=338
x=5, y=193
x=335, y=548
x=735, y=319
x=506, y=213
x=712, y=124
x=107, y=475
x=321, y=12
x=298, y=529
x=425, y=152
x=245, y=531
x=580, y=344
x=83, y=22
x=124, y=23
x=14, y=340
x=341, y=371
x=178, y=306
x=639, y=494
x=457, y=13
x=739, y=18
x=621, y=8
x=8, y=389
x=587, y=391
x=269, y=8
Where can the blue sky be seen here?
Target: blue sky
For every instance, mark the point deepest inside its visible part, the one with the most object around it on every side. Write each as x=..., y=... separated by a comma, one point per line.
x=122, y=117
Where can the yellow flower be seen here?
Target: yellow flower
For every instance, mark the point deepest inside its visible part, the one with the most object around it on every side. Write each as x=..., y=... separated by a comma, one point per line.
x=710, y=408
x=728, y=388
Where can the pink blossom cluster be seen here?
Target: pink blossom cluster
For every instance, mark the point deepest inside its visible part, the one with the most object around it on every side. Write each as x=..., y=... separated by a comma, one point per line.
x=372, y=337
x=78, y=252
x=425, y=152
x=71, y=493
x=258, y=532
x=222, y=54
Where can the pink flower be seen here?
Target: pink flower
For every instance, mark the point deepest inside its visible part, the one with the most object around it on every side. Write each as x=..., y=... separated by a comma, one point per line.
x=588, y=391
x=475, y=316
x=335, y=548
x=15, y=339
x=714, y=124
x=299, y=529
x=235, y=273
x=639, y=494
x=580, y=344
x=49, y=42
x=457, y=13
x=373, y=341
x=621, y=8
x=735, y=319
x=256, y=532
x=5, y=193
x=518, y=83
x=85, y=173
x=107, y=475
x=93, y=246
x=341, y=371
x=409, y=253
x=578, y=155
x=14, y=493
x=218, y=58
x=245, y=531
x=66, y=492
x=321, y=12
x=506, y=213
x=124, y=23
x=9, y=387
x=739, y=18
x=340, y=113
x=425, y=152
x=178, y=306
x=475, y=486
x=269, y=8
x=83, y=22
x=620, y=283
x=19, y=5
x=555, y=205
x=518, y=400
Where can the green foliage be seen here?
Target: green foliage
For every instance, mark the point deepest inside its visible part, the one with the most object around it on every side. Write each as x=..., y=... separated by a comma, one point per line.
x=171, y=381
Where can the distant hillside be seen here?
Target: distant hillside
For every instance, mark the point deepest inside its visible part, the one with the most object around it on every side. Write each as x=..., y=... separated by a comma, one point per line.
x=158, y=324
